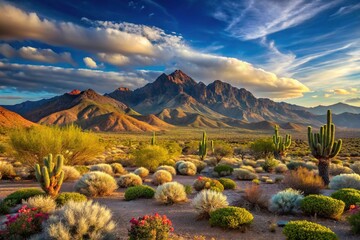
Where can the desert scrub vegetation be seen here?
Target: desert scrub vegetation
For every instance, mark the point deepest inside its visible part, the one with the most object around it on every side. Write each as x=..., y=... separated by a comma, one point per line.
x=170, y=169
x=254, y=197
x=161, y=177
x=22, y=194
x=262, y=148
x=44, y=204
x=140, y=191
x=80, y=220
x=208, y=201
x=231, y=217
x=221, y=150
x=349, y=196
x=150, y=156
x=303, y=180
x=286, y=201
x=222, y=170
x=207, y=183
x=129, y=180
x=354, y=218
x=70, y=173
x=322, y=206
x=142, y=172
x=95, y=184
x=228, y=183
x=102, y=167
x=244, y=174
x=66, y=197
x=6, y=170
x=118, y=169
x=31, y=145
x=187, y=168
x=345, y=181
x=304, y=230
x=170, y=193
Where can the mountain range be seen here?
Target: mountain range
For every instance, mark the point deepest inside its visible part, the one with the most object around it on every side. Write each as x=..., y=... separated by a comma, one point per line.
x=178, y=100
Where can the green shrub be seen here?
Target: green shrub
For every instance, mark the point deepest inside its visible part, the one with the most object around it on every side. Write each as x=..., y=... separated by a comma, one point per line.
x=142, y=172
x=223, y=170
x=95, y=184
x=66, y=197
x=349, y=196
x=243, y=174
x=6, y=170
x=227, y=183
x=129, y=180
x=140, y=191
x=270, y=164
x=32, y=144
x=161, y=177
x=150, y=157
x=22, y=194
x=170, y=193
x=187, y=168
x=82, y=169
x=222, y=149
x=305, y=230
x=262, y=148
x=173, y=149
x=231, y=217
x=207, y=183
x=322, y=206
x=345, y=181
x=286, y=201
x=208, y=201
x=188, y=189
x=354, y=221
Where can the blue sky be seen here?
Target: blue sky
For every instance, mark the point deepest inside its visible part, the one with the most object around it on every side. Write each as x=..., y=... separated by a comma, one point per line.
x=302, y=52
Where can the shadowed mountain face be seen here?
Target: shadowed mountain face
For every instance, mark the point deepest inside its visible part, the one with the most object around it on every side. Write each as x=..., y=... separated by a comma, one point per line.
x=218, y=103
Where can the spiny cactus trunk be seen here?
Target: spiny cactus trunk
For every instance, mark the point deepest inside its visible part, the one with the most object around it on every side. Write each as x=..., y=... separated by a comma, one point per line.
x=323, y=166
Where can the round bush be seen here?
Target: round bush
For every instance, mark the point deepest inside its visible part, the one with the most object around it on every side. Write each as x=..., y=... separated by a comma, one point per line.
x=80, y=220
x=345, y=181
x=161, y=177
x=354, y=221
x=43, y=203
x=207, y=183
x=170, y=169
x=231, y=217
x=349, y=196
x=65, y=197
x=187, y=168
x=7, y=170
x=286, y=202
x=281, y=168
x=95, y=184
x=200, y=165
x=102, y=167
x=305, y=230
x=223, y=170
x=70, y=173
x=82, y=169
x=22, y=194
x=171, y=192
x=117, y=168
x=142, y=172
x=227, y=183
x=243, y=174
x=177, y=164
x=129, y=180
x=140, y=191
x=208, y=201
x=150, y=156
x=304, y=180
x=322, y=206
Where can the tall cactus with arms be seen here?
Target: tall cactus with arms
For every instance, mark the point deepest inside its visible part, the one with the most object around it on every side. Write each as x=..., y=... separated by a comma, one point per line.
x=280, y=144
x=50, y=176
x=203, y=147
x=324, y=147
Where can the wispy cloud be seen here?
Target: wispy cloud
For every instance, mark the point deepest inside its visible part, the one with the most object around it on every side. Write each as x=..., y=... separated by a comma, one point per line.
x=353, y=100
x=247, y=20
x=346, y=10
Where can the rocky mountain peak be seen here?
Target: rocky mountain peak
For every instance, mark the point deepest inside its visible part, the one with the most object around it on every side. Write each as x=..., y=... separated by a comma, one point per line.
x=75, y=92
x=179, y=77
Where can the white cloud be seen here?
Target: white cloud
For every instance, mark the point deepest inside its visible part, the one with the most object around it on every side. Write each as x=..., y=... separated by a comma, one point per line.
x=36, y=54
x=247, y=20
x=346, y=10
x=89, y=62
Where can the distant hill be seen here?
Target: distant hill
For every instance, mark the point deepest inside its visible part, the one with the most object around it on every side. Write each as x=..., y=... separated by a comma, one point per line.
x=9, y=119
x=337, y=108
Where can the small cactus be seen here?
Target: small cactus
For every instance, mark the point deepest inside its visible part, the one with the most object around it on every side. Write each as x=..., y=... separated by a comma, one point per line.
x=203, y=147
x=50, y=176
x=153, y=139
x=280, y=144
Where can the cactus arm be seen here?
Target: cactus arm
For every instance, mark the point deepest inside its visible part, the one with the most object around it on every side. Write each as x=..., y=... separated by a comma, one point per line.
x=59, y=165
x=45, y=177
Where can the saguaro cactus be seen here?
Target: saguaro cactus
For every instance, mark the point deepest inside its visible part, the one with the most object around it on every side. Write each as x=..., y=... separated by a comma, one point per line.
x=50, y=176
x=280, y=144
x=324, y=147
x=203, y=147
x=153, y=139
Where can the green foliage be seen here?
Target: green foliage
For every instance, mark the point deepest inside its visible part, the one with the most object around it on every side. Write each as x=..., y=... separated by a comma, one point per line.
x=231, y=217
x=187, y=168
x=223, y=170
x=294, y=165
x=280, y=144
x=66, y=197
x=349, y=196
x=173, y=148
x=30, y=145
x=270, y=164
x=51, y=175
x=262, y=148
x=95, y=184
x=203, y=146
x=286, y=201
x=304, y=180
x=351, y=180
x=354, y=221
x=243, y=174
x=322, y=206
x=140, y=191
x=228, y=183
x=305, y=230
x=150, y=156
x=153, y=139
x=82, y=169
x=188, y=189
x=221, y=150
x=207, y=183
x=22, y=194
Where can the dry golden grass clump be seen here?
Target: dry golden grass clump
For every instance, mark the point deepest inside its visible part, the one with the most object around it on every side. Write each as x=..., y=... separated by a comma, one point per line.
x=304, y=180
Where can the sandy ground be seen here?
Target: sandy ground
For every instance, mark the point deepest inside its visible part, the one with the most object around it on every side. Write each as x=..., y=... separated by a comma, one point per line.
x=183, y=215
